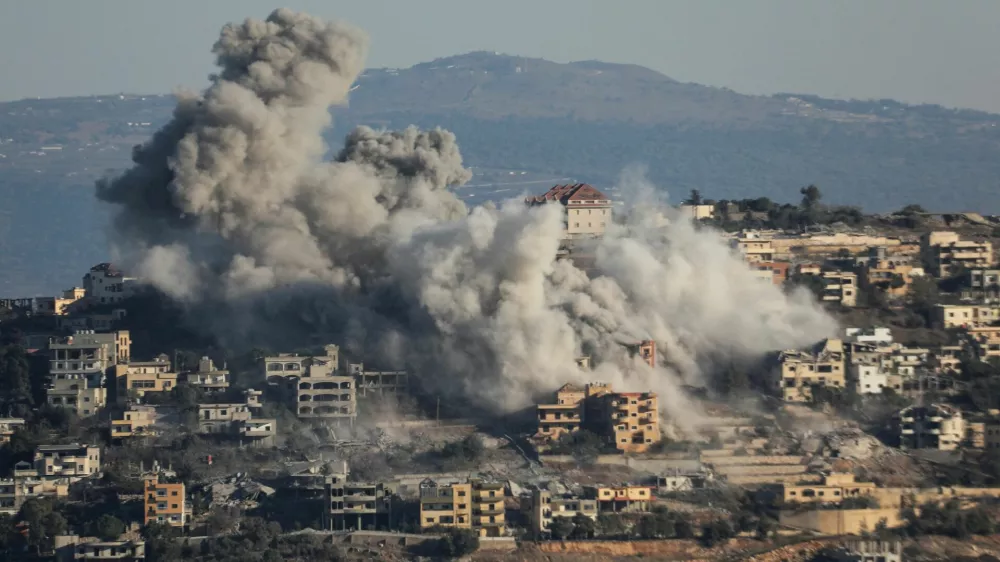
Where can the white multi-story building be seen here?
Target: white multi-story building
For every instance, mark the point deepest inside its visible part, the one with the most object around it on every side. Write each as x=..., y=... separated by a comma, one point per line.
x=105, y=284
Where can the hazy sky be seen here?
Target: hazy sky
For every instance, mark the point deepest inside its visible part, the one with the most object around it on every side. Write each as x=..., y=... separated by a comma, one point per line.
x=914, y=50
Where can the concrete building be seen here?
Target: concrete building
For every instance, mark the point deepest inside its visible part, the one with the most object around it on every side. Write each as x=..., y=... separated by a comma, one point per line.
x=983, y=284
x=73, y=461
x=136, y=420
x=614, y=499
x=878, y=336
x=946, y=253
x=106, y=284
x=78, y=367
x=645, y=350
x=542, y=506
x=164, y=503
x=208, y=377
x=219, y=417
x=57, y=306
x=355, y=505
x=136, y=378
x=985, y=341
x=823, y=365
x=754, y=248
x=586, y=211
x=895, y=279
x=15, y=491
x=630, y=420
x=936, y=426
x=7, y=428
x=321, y=392
x=868, y=378
x=698, y=212
x=774, y=272
x=70, y=548
x=840, y=287
x=870, y=550
x=378, y=382
x=74, y=391
x=963, y=316
x=833, y=490
x=477, y=504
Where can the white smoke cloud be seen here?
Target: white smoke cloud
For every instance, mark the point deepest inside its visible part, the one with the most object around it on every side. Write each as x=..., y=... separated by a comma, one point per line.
x=231, y=208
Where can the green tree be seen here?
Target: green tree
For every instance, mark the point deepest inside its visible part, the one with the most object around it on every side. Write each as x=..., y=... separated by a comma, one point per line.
x=107, y=527
x=561, y=527
x=15, y=376
x=583, y=527
x=611, y=525
x=694, y=198
x=459, y=542
x=717, y=532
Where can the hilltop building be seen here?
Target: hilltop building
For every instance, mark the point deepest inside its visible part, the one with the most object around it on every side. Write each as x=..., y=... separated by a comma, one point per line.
x=321, y=392
x=476, y=504
x=586, y=211
x=946, y=253
x=208, y=377
x=106, y=284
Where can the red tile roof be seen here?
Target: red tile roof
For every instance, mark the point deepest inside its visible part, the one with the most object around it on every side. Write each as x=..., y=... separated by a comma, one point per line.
x=565, y=193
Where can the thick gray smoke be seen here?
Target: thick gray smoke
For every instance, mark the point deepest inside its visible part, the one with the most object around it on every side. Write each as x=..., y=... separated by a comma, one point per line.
x=231, y=209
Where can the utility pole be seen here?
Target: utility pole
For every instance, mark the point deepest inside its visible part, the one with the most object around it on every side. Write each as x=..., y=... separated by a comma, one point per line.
x=437, y=414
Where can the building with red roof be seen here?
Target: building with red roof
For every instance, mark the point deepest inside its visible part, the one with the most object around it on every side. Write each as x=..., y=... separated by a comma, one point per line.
x=587, y=211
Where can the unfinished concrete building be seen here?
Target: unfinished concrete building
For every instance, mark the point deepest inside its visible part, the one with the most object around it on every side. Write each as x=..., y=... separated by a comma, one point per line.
x=936, y=426
x=354, y=505
x=369, y=382
x=823, y=365
x=542, y=506
x=946, y=253
x=629, y=420
x=321, y=392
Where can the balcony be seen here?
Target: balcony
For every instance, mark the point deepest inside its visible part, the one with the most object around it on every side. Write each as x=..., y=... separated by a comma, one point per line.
x=497, y=510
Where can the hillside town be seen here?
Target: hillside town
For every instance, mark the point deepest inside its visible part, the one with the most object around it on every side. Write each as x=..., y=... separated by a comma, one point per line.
x=128, y=436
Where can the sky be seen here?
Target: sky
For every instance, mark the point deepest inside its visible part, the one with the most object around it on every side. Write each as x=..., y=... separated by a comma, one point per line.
x=917, y=51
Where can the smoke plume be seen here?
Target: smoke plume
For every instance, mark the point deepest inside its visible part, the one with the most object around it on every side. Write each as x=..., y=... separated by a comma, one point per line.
x=231, y=209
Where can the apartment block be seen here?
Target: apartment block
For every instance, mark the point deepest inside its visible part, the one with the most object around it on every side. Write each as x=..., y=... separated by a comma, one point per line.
x=75, y=392
x=963, y=316
x=754, y=248
x=208, y=377
x=823, y=365
x=586, y=211
x=15, y=491
x=477, y=504
x=164, y=503
x=985, y=341
x=614, y=499
x=946, y=253
x=840, y=287
x=564, y=416
x=73, y=461
x=355, y=505
x=136, y=420
x=868, y=378
x=106, y=284
x=893, y=278
x=698, y=212
x=774, y=272
x=445, y=505
x=321, y=391
x=219, y=417
x=543, y=506
x=645, y=350
x=57, y=306
x=833, y=490
x=936, y=426
x=136, y=378
x=630, y=420
x=983, y=284
x=369, y=382
x=878, y=336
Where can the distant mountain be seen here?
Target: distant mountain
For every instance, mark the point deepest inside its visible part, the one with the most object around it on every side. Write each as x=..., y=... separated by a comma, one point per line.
x=523, y=123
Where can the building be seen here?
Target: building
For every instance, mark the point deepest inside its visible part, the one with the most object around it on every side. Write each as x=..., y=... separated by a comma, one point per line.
x=985, y=342
x=698, y=212
x=946, y=253
x=586, y=211
x=355, y=505
x=870, y=550
x=840, y=287
x=220, y=418
x=74, y=391
x=7, y=428
x=875, y=335
x=905, y=361
x=775, y=272
x=57, y=306
x=78, y=367
x=378, y=382
x=257, y=432
x=164, y=503
x=962, y=316
x=136, y=420
x=321, y=392
x=983, y=284
x=136, y=378
x=834, y=489
x=645, y=350
x=15, y=491
x=208, y=377
x=823, y=365
x=477, y=504
x=69, y=548
x=937, y=426
x=753, y=248
x=73, y=461
x=445, y=505
x=105, y=284
x=630, y=420
x=868, y=378
x=542, y=506
x=620, y=498
x=891, y=277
